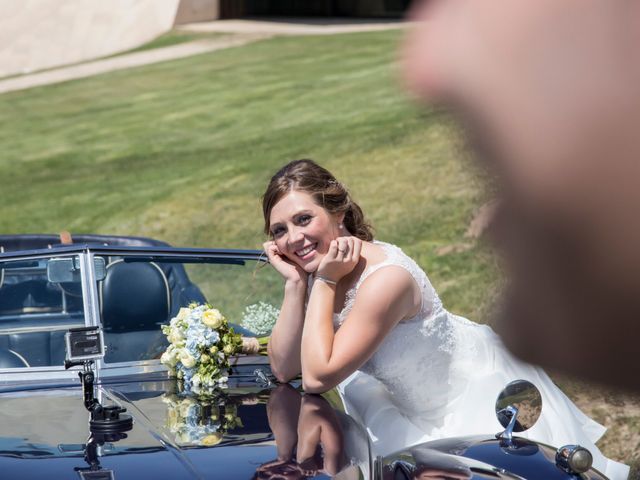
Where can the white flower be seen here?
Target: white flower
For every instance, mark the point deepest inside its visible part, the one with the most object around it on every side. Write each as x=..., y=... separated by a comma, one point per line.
x=176, y=337
x=212, y=318
x=168, y=358
x=186, y=358
x=183, y=313
x=185, y=406
x=260, y=318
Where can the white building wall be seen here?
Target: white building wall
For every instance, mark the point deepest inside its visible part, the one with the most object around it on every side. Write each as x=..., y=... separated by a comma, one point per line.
x=40, y=34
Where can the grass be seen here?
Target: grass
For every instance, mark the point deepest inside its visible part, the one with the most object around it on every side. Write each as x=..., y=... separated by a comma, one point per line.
x=182, y=150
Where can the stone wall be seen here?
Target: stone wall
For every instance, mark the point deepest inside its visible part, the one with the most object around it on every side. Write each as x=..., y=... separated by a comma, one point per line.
x=41, y=34
x=190, y=11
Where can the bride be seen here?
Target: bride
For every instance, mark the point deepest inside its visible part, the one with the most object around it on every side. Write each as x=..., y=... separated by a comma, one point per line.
x=360, y=315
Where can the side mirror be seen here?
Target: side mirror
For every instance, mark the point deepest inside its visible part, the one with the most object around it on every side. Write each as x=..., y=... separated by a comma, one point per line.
x=518, y=407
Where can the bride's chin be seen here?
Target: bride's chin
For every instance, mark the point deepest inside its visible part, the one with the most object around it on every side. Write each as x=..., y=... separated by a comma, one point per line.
x=310, y=268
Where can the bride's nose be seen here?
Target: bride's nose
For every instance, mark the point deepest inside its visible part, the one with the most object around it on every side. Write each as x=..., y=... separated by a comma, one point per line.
x=297, y=235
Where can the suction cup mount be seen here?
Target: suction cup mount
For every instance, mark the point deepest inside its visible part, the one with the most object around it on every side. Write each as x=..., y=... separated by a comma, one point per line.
x=84, y=345
x=104, y=420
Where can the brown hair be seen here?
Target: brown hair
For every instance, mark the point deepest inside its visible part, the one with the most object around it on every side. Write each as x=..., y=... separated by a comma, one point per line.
x=309, y=177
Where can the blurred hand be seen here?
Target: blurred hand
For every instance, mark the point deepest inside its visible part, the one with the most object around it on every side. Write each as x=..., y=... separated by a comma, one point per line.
x=341, y=259
x=285, y=267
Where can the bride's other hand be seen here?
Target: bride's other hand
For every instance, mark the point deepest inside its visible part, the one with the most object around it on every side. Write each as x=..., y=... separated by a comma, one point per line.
x=341, y=259
x=285, y=267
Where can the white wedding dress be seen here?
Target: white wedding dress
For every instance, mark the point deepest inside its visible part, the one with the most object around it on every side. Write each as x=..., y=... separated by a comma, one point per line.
x=438, y=375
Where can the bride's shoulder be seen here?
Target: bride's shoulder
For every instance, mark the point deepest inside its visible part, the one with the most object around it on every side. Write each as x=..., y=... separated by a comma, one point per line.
x=384, y=282
x=378, y=254
x=373, y=253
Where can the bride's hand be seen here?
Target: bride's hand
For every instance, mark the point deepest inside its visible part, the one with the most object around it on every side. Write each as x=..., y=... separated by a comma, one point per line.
x=341, y=259
x=285, y=267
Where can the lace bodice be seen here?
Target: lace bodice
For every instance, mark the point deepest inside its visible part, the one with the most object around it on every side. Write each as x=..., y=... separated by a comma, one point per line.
x=431, y=303
x=422, y=350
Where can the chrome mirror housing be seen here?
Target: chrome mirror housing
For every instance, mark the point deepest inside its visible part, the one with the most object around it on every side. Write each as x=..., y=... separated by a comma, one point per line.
x=518, y=408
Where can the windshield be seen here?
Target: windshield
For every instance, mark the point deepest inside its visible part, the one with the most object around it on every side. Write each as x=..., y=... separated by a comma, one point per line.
x=139, y=294
x=36, y=309
x=41, y=298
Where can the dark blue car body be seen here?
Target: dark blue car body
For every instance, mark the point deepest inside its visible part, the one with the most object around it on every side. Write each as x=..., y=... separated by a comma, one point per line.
x=44, y=426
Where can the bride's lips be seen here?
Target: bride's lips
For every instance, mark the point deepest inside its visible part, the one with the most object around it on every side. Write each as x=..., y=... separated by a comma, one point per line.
x=307, y=252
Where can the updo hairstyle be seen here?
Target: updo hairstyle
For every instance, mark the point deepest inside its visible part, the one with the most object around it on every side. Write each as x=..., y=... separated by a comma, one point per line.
x=309, y=177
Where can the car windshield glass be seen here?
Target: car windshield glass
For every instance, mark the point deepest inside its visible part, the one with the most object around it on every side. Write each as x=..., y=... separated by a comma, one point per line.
x=139, y=294
x=40, y=299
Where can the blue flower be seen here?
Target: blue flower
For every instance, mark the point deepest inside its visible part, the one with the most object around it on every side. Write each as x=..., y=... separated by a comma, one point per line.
x=212, y=336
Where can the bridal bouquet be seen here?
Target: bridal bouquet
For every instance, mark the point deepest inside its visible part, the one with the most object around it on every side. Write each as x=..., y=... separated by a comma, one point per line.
x=201, y=342
x=199, y=420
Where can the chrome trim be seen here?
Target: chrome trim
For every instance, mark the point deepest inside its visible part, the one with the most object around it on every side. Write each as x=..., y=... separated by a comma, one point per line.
x=36, y=254
x=91, y=302
x=262, y=378
x=249, y=360
x=574, y=459
x=154, y=365
x=507, y=434
x=133, y=368
x=378, y=467
x=50, y=328
x=34, y=374
x=26, y=364
x=89, y=290
x=147, y=251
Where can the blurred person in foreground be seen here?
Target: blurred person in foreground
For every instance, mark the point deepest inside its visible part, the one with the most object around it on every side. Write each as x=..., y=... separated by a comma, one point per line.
x=549, y=94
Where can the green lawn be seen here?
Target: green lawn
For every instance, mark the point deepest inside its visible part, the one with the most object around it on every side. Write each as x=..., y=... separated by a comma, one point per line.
x=182, y=150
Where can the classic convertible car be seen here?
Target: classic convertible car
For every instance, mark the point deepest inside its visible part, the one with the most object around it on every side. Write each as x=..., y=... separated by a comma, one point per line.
x=116, y=413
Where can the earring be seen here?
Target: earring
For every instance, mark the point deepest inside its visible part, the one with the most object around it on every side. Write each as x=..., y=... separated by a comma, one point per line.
x=341, y=226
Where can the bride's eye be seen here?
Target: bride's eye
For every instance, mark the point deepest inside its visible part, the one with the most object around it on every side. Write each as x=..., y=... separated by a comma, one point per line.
x=304, y=219
x=277, y=232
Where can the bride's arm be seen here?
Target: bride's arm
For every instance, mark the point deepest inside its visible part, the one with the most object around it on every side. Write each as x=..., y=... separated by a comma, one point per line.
x=284, y=343
x=384, y=298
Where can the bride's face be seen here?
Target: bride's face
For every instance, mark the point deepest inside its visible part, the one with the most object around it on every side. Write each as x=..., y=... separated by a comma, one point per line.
x=302, y=229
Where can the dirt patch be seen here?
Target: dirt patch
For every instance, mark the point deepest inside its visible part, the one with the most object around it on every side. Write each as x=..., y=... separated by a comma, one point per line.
x=617, y=410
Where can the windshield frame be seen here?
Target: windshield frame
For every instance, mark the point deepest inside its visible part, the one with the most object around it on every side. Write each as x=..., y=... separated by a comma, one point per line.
x=54, y=375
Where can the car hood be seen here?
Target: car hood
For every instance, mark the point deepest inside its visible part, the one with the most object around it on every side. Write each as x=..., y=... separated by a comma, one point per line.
x=44, y=432
x=225, y=434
